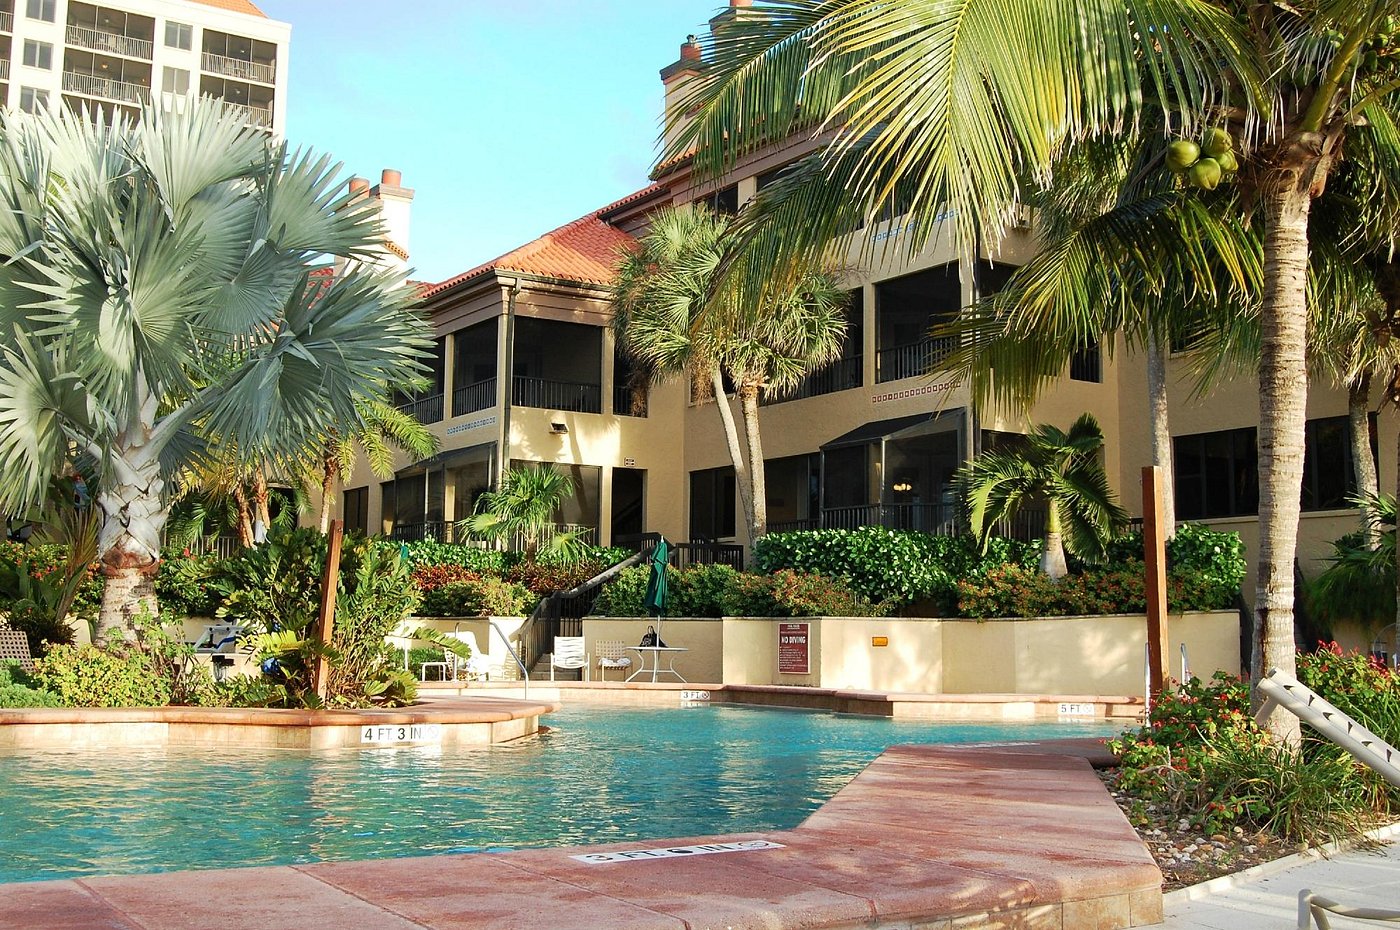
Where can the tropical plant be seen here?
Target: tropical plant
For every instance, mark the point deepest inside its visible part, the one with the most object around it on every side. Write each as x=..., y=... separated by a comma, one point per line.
x=159, y=297
x=1059, y=469
x=1359, y=582
x=946, y=106
x=379, y=430
x=672, y=315
x=524, y=511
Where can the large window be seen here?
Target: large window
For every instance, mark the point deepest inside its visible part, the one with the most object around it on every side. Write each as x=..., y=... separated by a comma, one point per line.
x=38, y=54
x=905, y=309
x=40, y=9
x=356, y=510
x=33, y=99
x=176, y=80
x=724, y=201
x=712, y=503
x=1217, y=474
x=178, y=35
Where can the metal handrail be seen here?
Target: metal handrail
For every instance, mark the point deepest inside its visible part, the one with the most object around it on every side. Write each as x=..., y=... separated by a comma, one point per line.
x=114, y=43
x=253, y=116
x=574, y=396
x=7, y=22
x=524, y=672
x=469, y=398
x=240, y=68
x=911, y=361
x=1313, y=906
x=844, y=374
x=108, y=88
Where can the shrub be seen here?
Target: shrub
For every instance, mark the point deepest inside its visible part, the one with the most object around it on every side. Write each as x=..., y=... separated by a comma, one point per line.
x=623, y=595
x=544, y=578
x=700, y=591
x=1012, y=591
x=786, y=593
x=1213, y=561
x=1358, y=685
x=893, y=566
x=482, y=597
x=431, y=577
x=89, y=676
x=185, y=584
x=430, y=552
x=15, y=690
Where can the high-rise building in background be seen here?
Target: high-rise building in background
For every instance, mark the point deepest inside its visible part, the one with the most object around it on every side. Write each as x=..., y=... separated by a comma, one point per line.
x=119, y=56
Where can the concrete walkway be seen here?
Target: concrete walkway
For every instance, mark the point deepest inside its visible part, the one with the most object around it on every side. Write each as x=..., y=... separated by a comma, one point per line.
x=1268, y=900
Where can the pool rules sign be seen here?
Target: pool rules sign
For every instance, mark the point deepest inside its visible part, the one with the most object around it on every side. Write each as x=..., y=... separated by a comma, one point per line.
x=794, y=649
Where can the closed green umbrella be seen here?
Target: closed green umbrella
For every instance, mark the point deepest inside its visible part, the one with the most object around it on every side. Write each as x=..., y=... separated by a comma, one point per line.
x=657, y=590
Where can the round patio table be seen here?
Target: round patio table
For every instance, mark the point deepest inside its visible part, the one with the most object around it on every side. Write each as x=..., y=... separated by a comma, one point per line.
x=657, y=653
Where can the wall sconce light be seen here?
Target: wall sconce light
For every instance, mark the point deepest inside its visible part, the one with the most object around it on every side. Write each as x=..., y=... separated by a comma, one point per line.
x=558, y=429
x=903, y=486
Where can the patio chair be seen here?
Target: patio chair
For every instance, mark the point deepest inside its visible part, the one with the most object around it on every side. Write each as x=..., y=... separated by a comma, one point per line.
x=568, y=654
x=611, y=654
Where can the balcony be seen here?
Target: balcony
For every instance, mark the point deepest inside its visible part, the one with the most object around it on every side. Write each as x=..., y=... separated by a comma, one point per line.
x=240, y=68
x=110, y=42
x=841, y=375
x=7, y=22
x=470, y=398
x=935, y=519
x=4, y=69
x=911, y=361
x=253, y=116
x=93, y=86
x=572, y=396
x=425, y=408
x=625, y=405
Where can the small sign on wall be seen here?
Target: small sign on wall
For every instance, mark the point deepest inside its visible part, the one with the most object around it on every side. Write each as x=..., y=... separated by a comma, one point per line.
x=878, y=641
x=794, y=649
x=405, y=733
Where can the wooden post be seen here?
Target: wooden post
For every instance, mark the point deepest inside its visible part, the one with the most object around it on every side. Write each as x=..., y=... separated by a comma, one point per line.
x=325, y=624
x=1154, y=544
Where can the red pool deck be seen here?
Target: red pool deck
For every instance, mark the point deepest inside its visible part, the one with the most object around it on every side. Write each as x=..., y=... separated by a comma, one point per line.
x=926, y=838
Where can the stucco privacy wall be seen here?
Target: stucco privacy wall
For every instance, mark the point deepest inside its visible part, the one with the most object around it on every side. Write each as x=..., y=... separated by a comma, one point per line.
x=1059, y=655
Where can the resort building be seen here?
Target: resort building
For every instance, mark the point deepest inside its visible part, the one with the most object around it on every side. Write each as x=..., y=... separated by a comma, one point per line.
x=117, y=57
x=526, y=371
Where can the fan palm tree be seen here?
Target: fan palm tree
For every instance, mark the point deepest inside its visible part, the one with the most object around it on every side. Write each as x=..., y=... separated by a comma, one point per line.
x=524, y=511
x=956, y=105
x=672, y=315
x=380, y=431
x=1058, y=468
x=158, y=297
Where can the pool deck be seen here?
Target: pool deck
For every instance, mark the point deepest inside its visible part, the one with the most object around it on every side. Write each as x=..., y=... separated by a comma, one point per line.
x=1021, y=837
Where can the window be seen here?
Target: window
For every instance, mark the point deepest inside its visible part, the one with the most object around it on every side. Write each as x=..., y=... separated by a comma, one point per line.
x=38, y=54
x=712, y=503
x=176, y=81
x=356, y=512
x=32, y=99
x=724, y=201
x=906, y=309
x=40, y=9
x=1086, y=364
x=177, y=35
x=1329, y=475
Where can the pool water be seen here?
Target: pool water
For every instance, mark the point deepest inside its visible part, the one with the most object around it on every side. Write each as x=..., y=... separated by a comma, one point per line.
x=598, y=775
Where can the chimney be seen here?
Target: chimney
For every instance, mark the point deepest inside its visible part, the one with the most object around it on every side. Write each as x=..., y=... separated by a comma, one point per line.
x=674, y=78
x=395, y=207
x=359, y=185
x=391, y=177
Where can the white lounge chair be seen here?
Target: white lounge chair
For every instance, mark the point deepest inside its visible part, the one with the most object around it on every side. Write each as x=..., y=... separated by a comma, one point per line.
x=568, y=654
x=611, y=655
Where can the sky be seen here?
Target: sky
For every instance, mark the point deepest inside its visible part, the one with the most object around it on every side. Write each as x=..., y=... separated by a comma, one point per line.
x=508, y=118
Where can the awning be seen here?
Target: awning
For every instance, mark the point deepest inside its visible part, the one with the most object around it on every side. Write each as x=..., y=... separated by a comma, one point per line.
x=890, y=429
x=448, y=458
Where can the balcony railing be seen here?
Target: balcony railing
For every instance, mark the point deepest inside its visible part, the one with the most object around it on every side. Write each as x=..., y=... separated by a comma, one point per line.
x=425, y=409
x=7, y=22
x=911, y=361
x=110, y=42
x=573, y=396
x=470, y=398
x=624, y=401
x=240, y=68
x=4, y=69
x=93, y=86
x=253, y=116
x=937, y=519
x=841, y=375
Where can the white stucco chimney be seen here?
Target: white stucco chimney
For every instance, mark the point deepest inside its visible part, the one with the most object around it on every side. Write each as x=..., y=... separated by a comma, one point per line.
x=396, y=206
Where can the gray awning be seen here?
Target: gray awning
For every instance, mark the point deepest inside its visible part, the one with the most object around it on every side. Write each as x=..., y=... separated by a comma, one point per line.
x=889, y=429
x=448, y=458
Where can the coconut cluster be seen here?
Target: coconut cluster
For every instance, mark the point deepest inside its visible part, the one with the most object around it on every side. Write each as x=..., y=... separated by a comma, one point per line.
x=1205, y=164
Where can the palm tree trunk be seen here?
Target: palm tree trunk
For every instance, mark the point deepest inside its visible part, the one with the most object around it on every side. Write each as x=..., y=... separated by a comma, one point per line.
x=132, y=515
x=1052, y=560
x=245, y=515
x=330, y=470
x=748, y=405
x=1363, y=462
x=262, y=517
x=736, y=455
x=1161, y=428
x=1283, y=395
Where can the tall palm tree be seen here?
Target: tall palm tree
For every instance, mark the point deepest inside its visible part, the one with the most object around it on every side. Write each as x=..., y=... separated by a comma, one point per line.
x=524, y=511
x=1058, y=468
x=158, y=297
x=380, y=430
x=672, y=315
x=957, y=104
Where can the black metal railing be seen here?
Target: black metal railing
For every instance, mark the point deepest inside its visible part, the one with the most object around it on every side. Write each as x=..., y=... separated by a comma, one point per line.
x=626, y=403
x=841, y=375
x=938, y=519
x=911, y=361
x=425, y=408
x=438, y=531
x=573, y=396
x=470, y=398
x=793, y=526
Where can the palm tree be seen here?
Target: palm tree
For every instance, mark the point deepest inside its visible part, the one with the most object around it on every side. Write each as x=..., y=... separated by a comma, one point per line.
x=1060, y=469
x=671, y=317
x=524, y=511
x=158, y=298
x=956, y=110
x=380, y=430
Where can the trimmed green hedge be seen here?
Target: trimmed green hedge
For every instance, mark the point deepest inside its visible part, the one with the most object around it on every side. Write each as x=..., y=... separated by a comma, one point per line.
x=720, y=591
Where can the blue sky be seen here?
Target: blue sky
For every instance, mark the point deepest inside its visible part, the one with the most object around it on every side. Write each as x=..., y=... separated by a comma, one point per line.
x=506, y=117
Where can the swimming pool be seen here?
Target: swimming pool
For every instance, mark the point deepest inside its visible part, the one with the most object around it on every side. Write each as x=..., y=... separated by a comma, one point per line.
x=598, y=775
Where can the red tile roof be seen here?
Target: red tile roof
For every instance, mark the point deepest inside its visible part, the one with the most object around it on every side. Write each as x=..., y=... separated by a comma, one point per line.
x=236, y=6
x=585, y=250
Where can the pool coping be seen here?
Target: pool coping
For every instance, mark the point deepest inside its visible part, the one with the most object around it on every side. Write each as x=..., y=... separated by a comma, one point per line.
x=931, y=837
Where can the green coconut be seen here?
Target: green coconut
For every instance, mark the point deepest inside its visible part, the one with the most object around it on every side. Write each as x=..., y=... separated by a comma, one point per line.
x=1182, y=154
x=1206, y=173
x=1217, y=142
x=1228, y=163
